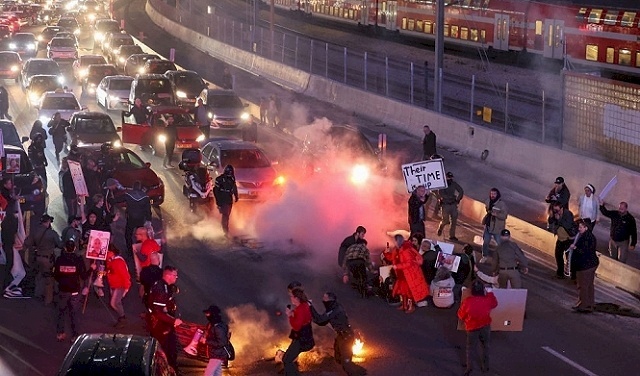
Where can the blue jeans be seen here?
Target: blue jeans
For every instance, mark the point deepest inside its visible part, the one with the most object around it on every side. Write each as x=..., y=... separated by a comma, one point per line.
x=486, y=239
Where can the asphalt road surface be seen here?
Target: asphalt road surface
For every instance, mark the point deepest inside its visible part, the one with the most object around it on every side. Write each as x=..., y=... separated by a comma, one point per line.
x=300, y=233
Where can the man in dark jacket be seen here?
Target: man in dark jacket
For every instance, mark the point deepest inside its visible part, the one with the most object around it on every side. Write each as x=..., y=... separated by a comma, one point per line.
x=562, y=225
x=217, y=340
x=559, y=193
x=69, y=194
x=69, y=271
x=335, y=315
x=58, y=131
x=149, y=275
x=428, y=143
x=170, y=132
x=162, y=318
x=37, y=157
x=417, y=211
x=623, y=234
x=349, y=241
x=138, y=211
x=44, y=240
x=225, y=191
x=4, y=103
x=449, y=199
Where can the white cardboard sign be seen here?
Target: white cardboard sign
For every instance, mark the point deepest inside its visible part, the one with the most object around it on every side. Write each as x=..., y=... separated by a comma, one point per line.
x=429, y=174
x=78, y=178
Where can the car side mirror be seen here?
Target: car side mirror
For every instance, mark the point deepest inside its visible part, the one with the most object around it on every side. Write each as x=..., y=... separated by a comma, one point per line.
x=119, y=129
x=148, y=164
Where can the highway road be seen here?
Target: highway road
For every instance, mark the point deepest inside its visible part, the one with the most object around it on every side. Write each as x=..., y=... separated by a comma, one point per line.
x=301, y=232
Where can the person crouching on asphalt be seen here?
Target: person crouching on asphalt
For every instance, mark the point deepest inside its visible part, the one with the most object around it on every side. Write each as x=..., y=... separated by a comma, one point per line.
x=299, y=314
x=119, y=282
x=475, y=312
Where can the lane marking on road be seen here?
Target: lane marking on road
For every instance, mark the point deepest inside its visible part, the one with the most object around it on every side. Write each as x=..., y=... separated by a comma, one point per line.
x=568, y=361
x=21, y=360
x=20, y=338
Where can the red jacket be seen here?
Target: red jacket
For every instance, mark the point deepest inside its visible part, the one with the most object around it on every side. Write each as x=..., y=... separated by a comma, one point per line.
x=475, y=311
x=118, y=274
x=147, y=248
x=301, y=316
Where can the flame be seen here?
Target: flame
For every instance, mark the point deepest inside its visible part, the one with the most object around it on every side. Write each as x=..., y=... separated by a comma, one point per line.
x=359, y=174
x=358, y=347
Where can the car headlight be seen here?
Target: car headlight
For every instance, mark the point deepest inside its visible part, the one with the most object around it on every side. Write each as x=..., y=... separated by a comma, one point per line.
x=98, y=37
x=106, y=45
x=117, y=144
x=210, y=115
x=76, y=32
x=33, y=97
x=31, y=46
x=92, y=89
x=40, y=38
x=14, y=68
x=280, y=180
x=61, y=79
x=12, y=46
x=200, y=138
x=122, y=60
x=84, y=72
x=181, y=94
x=162, y=138
x=92, y=17
x=80, y=143
x=141, y=70
x=245, y=116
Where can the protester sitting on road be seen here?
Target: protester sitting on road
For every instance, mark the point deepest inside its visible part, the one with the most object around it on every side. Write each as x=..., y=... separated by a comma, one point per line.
x=442, y=288
x=410, y=285
x=429, y=256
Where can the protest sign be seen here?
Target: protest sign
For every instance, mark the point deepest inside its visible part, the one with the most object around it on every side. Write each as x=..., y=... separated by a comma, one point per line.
x=450, y=261
x=508, y=316
x=78, y=178
x=429, y=174
x=607, y=188
x=13, y=164
x=98, y=245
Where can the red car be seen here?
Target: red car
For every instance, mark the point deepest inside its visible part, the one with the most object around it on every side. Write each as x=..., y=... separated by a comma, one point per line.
x=154, y=131
x=126, y=167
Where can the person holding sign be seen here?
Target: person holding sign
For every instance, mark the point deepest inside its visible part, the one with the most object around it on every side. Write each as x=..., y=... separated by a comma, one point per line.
x=417, y=210
x=449, y=199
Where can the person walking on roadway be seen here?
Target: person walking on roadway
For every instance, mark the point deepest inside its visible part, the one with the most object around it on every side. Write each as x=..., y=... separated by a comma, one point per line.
x=225, y=191
x=562, y=225
x=623, y=233
x=449, y=199
x=494, y=221
x=511, y=262
x=428, y=143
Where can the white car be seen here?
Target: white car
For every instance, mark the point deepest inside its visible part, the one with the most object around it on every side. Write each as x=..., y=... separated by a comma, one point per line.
x=60, y=48
x=57, y=101
x=113, y=92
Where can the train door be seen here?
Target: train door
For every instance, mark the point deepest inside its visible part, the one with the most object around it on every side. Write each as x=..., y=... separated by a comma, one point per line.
x=392, y=14
x=364, y=12
x=501, y=32
x=553, y=39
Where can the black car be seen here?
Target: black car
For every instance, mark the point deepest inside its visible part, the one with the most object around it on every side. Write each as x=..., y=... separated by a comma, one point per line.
x=115, y=354
x=157, y=66
x=47, y=34
x=88, y=127
x=122, y=53
x=35, y=66
x=10, y=134
x=28, y=187
x=24, y=44
x=135, y=62
x=10, y=65
x=95, y=74
x=188, y=85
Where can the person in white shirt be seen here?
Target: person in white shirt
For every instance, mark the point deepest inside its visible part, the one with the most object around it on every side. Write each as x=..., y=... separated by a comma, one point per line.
x=442, y=288
x=588, y=206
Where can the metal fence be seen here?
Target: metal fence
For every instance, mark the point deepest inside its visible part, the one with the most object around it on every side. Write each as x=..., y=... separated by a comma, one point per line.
x=602, y=119
x=505, y=109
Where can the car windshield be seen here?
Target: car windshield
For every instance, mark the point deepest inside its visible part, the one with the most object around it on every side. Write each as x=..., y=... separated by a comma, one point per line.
x=44, y=67
x=225, y=101
x=92, y=125
x=120, y=39
x=9, y=133
x=161, y=66
x=92, y=60
x=23, y=38
x=127, y=160
x=51, y=31
x=43, y=84
x=59, y=103
x=189, y=82
x=99, y=71
x=178, y=118
x=120, y=84
x=63, y=42
x=8, y=59
x=244, y=158
x=68, y=22
x=154, y=86
x=130, y=49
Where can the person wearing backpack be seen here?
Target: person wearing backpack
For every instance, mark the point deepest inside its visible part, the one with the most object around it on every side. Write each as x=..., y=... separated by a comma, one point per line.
x=217, y=340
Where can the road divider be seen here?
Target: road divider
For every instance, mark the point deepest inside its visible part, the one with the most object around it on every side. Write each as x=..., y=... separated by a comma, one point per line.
x=537, y=161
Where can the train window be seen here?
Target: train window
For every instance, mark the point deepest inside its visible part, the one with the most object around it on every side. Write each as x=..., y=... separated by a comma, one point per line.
x=474, y=35
x=611, y=52
x=427, y=27
x=628, y=18
x=483, y=36
x=592, y=52
x=624, y=57
x=595, y=16
x=351, y=14
x=404, y=23
x=638, y=59
x=538, y=27
x=464, y=33
x=446, y=30
x=454, y=31
x=581, y=13
x=419, y=25
x=411, y=24
x=466, y=3
x=611, y=18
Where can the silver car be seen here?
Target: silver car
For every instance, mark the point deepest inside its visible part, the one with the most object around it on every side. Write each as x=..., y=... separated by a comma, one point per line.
x=57, y=101
x=255, y=176
x=113, y=92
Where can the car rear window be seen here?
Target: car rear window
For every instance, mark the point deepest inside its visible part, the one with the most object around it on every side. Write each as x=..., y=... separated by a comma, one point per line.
x=102, y=71
x=23, y=38
x=108, y=26
x=9, y=134
x=59, y=103
x=8, y=58
x=93, y=60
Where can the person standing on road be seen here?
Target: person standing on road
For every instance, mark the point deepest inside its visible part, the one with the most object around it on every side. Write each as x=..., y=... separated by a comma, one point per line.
x=335, y=315
x=163, y=319
x=37, y=157
x=428, y=143
x=584, y=261
x=227, y=79
x=44, y=240
x=417, y=210
x=562, y=225
x=149, y=275
x=119, y=282
x=475, y=312
x=623, y=234
x=349, y=241
x=299, y=314
x=559, y=193
x=138, y=211
x=225, y=191
x=58, y=131
x=217, y=339
x=272, y=112
x=201, y=113
x=449, y=199
x=69, y=193
x=139, y=112
x=36, y=128
x=511, y=262
x=147, y=247
x=495, y=219
x=171, y=135
x=73, y=231
x=588, y=204
x=69, y=271
x=4, y=103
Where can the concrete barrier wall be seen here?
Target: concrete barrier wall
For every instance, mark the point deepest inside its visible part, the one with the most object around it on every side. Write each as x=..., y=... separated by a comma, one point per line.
x=535, y=161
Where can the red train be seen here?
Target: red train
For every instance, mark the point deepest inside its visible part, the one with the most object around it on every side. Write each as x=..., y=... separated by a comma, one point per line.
x=602, y=37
